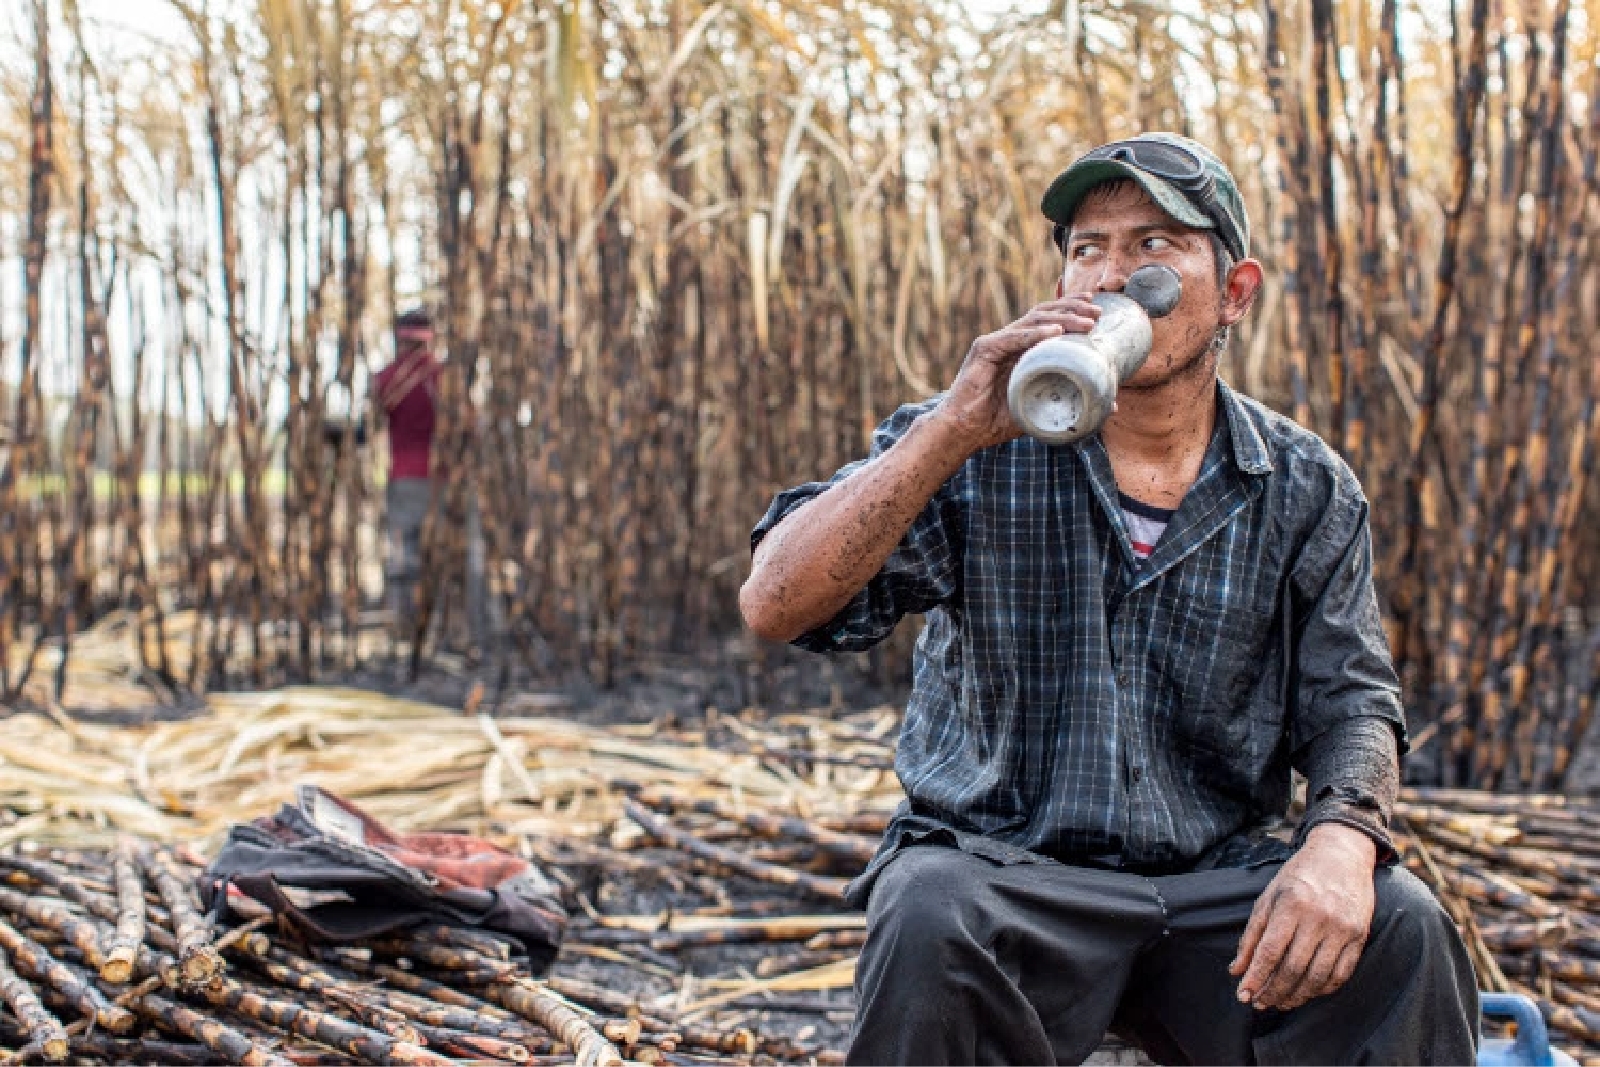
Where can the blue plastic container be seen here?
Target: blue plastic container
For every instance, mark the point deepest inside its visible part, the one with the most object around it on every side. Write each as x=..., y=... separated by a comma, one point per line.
x=1531, y=1047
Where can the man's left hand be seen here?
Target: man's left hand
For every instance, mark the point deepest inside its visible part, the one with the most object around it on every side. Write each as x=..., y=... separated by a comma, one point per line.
x=1308, y=928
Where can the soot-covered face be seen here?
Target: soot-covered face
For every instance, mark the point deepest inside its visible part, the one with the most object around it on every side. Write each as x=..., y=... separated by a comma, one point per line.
x=1118, y=229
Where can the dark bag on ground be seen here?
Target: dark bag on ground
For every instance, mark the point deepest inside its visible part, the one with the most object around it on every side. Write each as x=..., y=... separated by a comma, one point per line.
x=335, y=874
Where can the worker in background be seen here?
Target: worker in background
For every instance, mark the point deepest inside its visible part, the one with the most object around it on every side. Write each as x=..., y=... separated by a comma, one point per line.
x=405, y=395
x=1130, y=642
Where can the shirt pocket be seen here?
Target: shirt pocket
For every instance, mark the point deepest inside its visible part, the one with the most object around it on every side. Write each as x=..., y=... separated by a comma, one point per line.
x=1210, y=656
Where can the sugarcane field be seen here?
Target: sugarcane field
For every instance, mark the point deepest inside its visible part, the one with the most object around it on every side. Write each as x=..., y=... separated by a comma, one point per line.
x=742, y=532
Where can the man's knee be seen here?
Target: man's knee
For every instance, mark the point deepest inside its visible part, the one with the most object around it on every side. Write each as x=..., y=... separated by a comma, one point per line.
x=1409, y=925
x=924, y=904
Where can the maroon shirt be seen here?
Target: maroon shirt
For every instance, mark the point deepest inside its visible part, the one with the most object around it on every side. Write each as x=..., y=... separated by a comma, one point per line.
x=405, y=389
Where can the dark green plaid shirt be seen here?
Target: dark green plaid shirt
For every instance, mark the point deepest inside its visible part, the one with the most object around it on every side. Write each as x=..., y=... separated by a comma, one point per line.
x=1075, y=703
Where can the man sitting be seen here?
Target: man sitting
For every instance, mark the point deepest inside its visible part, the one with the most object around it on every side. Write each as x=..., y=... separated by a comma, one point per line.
x=1130, y=641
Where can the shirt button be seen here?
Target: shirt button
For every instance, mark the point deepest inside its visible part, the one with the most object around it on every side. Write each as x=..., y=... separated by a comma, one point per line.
x=1135, y=774
x=1122, y=679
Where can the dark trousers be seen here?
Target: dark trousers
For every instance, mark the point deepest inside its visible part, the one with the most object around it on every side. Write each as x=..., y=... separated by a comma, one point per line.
x=969, y=961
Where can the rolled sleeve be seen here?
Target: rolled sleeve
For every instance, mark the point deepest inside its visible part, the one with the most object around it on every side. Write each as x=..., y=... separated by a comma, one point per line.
x=1342, y=669
x=921, y=573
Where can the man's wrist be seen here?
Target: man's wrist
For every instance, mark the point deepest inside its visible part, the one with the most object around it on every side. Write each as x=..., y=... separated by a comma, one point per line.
x=947, y=436
x=1338, y=836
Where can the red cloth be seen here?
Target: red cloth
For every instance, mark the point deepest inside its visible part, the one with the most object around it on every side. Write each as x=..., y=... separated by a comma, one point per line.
x=405, y=388
x=455, y=860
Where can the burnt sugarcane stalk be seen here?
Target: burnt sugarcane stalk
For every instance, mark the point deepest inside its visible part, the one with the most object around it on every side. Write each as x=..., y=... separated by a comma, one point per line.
x=867, y=823
x=444, y=957
x=448, y=1017
x=1574, y=998
x=51, y=915
x=1579, y=1022
x=1564, y=868
x=1581, y=844
x=786, y=855
x=100, y=903
x=473, y=1046
x=1550, y=891
x=1524, y=936
x=476, y=976
x=1485, y=887
x=803, y=960
x=461, y=937
x=295, y=1018
x=143, y=1050
x=555, y=1015
x=852, y=847
x=354, y=960
x=44, y=1029
x=784, y=1049
x=623, y=1031
x=739, y=1042
x=378, y=1018
x=66, y=883
x=26, y=1054
x=791, y=928
x=419, y=1009
x=197, y=959
x=591, y=995
x=86, y=936
x=130, y=917
x=1548, y=804
x=1566, y=968
x=1419, y=858
x=830, y=940
x=1497, y=829
x=34, y=961
x=316, y=1056
x=1560, y=825
x=225, y=1041
x=662, y=830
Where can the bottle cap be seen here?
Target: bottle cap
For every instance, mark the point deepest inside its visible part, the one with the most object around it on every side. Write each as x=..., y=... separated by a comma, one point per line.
x=1156, y=288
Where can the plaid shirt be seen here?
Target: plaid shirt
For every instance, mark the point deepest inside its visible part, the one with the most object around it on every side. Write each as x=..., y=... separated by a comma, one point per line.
x=1070, y=702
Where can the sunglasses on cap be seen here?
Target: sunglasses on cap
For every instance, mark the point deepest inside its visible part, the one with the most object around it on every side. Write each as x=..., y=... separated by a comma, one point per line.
x=1184, y=171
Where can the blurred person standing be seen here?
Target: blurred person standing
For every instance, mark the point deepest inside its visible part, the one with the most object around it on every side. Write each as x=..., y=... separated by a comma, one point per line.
x=405, y=393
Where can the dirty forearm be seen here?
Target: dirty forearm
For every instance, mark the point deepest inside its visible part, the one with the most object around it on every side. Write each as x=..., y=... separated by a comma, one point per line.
x=807, y=569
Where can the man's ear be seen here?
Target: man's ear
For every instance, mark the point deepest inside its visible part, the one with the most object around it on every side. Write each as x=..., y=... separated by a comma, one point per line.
x=1244, y=282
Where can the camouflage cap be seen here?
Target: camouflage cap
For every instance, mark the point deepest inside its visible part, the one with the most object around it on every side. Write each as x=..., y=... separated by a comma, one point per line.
x=1182, y=176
